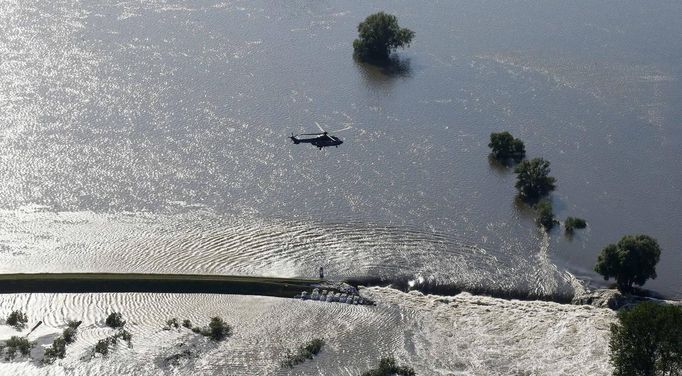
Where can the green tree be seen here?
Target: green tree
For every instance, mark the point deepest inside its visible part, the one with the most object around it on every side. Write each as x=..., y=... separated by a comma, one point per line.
x=631, y=261
x=379, y=35
x=545, y=215
x=572, y=223
x=647, y=341
x=505, y=147
x=533, y=180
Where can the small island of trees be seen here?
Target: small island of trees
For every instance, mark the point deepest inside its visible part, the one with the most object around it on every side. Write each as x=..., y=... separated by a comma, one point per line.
x=378, y=36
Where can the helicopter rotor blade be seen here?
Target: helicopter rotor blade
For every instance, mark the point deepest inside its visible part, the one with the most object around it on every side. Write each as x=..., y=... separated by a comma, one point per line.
x=311, y=134
x=342, y=129
x=319, y=126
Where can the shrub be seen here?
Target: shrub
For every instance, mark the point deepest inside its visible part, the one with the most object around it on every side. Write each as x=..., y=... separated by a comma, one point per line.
x=102, y=346
x=124, y=335
x=172, y=323
x=56, y=351
x=115, y=320
x=219, y=330
x=389, y=367
x=187, y=324
x=378, y=36
x=631, y=261
x=505, y=147
x=69, y=335
x=533, y=180
x=572, y=223
x=306, y=351
x=647, y=340
x=70, y=332
x=545, y=215
x=17, y=319
x=20, y=344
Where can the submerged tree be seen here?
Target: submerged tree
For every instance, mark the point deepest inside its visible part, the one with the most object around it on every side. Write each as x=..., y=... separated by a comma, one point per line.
x=572, y=223
x=388, y=367
x=17, y=319
x=631, y=261
x=647, y=340
x=115, y=320
x=545, y=215
x=533, y=180
x=379, y=35
x=505, y=147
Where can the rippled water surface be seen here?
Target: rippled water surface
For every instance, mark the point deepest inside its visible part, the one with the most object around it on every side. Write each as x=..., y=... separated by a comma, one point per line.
x=152, y=136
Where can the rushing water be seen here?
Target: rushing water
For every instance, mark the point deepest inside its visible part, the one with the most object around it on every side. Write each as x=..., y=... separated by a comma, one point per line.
x=435, y=335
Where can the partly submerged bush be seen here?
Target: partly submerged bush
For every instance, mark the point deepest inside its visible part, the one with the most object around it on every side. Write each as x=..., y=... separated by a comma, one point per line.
x=56, y=351
x=389, y=367
x=172, y=323
x=505, y=147
x=219, y=329
x=115, y=320
x=545, y=215
x=103, y=345
x=17, y=319
x=533, y=180
x=572, y=223
x=20, y=344
x=306, y=351
x=70, y=332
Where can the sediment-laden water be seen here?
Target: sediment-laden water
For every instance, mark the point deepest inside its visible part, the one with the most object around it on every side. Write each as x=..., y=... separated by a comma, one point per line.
x=151, y=136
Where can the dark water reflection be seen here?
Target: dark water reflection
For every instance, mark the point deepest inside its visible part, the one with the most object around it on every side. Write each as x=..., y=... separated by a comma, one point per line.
x=129, y=107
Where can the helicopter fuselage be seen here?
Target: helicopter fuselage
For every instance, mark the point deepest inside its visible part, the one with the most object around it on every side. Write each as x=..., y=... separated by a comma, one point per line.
x=320, y=141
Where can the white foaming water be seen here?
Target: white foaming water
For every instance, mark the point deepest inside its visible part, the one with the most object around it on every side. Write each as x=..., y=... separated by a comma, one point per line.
x=436, y=335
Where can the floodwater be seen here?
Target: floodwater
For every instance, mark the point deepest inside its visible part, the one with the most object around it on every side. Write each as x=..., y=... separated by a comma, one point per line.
x=152, y=136
x=116, y=117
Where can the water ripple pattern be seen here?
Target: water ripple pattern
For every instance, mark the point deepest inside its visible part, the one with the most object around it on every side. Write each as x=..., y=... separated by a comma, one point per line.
x=436, y=335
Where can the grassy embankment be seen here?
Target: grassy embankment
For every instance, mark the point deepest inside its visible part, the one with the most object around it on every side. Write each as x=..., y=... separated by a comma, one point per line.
x=160, y=283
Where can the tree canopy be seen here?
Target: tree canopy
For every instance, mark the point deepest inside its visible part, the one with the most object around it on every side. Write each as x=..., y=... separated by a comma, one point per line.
x=631, y=261
x=533, y=180
x=379, y=35
x=505, y=147
x=545, y=215
x=647, y=341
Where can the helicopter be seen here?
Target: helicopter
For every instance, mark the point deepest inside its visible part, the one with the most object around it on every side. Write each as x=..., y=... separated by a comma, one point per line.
x=322, y=140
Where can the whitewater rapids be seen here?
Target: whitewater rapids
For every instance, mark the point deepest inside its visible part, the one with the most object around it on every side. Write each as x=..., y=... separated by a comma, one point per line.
x=437, y=335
